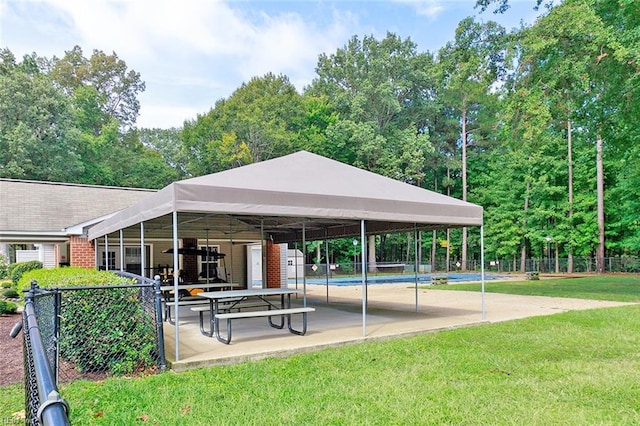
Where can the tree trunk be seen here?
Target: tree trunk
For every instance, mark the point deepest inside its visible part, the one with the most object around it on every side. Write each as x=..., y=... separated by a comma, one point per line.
x=373, y=266
x=434, y=240
x=448, y=255
x=407, y=258
x=600, y=189
x=448, y=259
x=523, y=252
x=419, y=254
x=464, y=185
x=570, y=213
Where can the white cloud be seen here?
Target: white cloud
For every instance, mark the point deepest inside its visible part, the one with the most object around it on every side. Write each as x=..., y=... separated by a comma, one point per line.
x=193, y=52
x=141, y=27
x=429, y=8
x=166, y=116
x=289, y=44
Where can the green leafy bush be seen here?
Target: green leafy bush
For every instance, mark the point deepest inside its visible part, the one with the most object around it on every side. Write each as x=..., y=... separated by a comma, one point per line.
x=6, y=283
x=10, y=294
x=104, y=329
x=69, y=277
x=7, y=307
x=17, y=270
x=4, y=267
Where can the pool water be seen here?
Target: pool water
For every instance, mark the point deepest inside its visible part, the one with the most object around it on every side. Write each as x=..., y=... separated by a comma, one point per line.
x=407, y=278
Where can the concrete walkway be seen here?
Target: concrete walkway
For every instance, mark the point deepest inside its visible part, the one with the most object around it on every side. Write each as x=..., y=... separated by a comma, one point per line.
x=391, y=313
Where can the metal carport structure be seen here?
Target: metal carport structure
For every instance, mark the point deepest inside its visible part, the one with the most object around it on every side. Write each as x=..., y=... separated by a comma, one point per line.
x=297, y=197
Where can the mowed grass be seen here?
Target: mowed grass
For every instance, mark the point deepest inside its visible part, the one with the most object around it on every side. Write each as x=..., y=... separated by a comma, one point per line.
x=573, y=368
x=620, y=288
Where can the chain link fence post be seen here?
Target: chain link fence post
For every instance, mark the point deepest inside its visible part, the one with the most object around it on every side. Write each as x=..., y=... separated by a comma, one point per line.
x=160, y=331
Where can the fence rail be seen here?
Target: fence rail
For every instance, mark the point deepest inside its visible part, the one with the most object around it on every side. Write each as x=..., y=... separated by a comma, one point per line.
x=43, y=404
x=548, y=265
x=87, y=332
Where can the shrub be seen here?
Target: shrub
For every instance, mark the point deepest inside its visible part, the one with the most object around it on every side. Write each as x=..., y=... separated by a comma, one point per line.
x=104, y=329
x=10, y=294
x=69, y=277
x=4, y=266
x=7, y=307
x=17, y=270
x=6, y=283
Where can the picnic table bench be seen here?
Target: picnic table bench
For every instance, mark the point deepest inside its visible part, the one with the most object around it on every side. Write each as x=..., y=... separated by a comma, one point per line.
x=222, y=302
x=185, y=297
x=287, y=312
x=439, y=280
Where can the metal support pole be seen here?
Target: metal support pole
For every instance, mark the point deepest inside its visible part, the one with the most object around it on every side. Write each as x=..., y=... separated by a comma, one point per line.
x=160, y=329
x=295, y=257
x=304, y=259
x=208, y=258
x=263, y=255
x=230, y=254
x=121, y=252
x=482, y=269
x=143, y=253
x=363, y=240
x=415, y=256
x=106, y=252
x=326, y=258
x=175, y=282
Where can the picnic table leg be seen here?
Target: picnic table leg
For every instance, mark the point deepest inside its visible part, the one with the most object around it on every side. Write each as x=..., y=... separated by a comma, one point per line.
x=271, y=323
x=225, y=340
x=216, y=327
x=167, y=311
x=304, y=325
x=209, y=332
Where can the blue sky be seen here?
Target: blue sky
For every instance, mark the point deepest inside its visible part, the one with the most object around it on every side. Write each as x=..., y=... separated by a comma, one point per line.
x=191, y=53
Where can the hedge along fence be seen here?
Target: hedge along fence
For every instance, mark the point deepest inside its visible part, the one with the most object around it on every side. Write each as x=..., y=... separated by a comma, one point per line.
x=107, y=325
x=17, y=270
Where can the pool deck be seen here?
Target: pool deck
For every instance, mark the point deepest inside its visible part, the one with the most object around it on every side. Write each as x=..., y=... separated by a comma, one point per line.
x=337, y=321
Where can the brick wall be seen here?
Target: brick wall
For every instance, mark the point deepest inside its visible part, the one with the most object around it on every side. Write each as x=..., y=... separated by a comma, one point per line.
x=82, y=252
x=273, y=265
x=190, y=262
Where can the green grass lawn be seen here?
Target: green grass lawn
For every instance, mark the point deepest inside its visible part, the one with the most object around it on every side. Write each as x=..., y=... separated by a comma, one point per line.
x=620, y=288
x=572, y=368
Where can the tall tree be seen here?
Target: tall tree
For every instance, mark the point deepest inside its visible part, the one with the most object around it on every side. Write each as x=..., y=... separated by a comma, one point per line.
x=470, y=65
x=37, y=135
x=380, y=90
x=116, y=87
x=259, y=121
x=168, y=143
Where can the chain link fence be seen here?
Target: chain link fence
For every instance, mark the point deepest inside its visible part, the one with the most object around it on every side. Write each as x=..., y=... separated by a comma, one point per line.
x=543, y=265
x=90, y=333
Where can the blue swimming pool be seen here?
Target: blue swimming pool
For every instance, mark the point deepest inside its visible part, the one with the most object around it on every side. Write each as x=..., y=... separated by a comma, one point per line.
x=407, y=278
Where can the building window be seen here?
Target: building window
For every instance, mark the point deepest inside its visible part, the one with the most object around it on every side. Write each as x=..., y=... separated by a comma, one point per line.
x=112, y=260
x=212, y=266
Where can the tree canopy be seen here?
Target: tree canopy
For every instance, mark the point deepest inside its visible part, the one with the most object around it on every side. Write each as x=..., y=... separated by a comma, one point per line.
x=537, y=125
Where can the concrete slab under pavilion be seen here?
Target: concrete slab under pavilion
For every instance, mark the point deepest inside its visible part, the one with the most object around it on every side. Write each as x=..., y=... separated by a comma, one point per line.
x=338, y=322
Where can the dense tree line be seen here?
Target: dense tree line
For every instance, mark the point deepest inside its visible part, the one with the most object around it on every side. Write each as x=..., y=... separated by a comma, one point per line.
x=72, y=119
x=538, y=125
